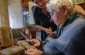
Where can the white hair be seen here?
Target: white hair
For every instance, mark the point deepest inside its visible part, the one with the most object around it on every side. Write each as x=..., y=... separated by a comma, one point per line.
x=57, y=4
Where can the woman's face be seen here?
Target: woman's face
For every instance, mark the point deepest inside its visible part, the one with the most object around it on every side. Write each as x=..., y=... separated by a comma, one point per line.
x=40, y=3
x=57, y=16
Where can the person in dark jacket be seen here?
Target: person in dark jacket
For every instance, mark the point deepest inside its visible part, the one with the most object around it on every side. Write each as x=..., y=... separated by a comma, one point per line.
x=42, y=18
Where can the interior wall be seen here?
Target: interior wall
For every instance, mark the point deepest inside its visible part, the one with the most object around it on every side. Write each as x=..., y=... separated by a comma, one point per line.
x=4, y=19
x=31, y=4
x=0, y=19
x=15, y=13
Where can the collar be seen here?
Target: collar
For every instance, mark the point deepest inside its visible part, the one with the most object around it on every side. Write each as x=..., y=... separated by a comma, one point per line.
x=70, y=19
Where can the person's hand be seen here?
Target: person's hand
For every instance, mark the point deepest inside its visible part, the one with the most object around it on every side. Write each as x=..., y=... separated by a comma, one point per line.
x=33, y=52
x=48, y=31
x=35, y=42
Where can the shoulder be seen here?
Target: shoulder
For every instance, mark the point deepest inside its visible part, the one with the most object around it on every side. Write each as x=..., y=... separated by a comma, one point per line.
x=36, y=10
x=76, y=26
x=80, y=20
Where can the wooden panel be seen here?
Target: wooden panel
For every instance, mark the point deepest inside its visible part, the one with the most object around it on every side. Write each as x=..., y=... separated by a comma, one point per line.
x=6, y=37
x=25, y=1
x=82, y=5
x=5, y=40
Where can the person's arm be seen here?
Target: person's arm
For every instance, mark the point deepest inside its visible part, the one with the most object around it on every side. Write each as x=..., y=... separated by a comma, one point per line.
x=47, y=30
x=37, y=44
x=79, y=9
x=34, y=52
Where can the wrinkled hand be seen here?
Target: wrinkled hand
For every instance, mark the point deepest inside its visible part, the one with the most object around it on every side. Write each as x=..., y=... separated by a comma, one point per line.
x=35, y=42
x=48, y=31
x=33, y=52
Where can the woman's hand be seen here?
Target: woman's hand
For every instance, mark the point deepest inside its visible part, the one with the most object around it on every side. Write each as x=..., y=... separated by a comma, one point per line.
x=33, y=52
x=48, y=31
x=35, y=42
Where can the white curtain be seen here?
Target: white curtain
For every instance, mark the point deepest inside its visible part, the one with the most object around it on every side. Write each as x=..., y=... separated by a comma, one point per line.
x=15, y=13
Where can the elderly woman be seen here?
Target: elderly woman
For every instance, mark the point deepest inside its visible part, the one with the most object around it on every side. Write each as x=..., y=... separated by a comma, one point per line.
x=72, y=37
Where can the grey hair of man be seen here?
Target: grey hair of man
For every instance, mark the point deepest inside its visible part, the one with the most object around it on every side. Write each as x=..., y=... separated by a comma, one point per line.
x=57, y=4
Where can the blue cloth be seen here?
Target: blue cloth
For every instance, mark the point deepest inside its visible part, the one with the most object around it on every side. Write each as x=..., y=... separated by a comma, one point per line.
x=44, y=20
x=70, y=42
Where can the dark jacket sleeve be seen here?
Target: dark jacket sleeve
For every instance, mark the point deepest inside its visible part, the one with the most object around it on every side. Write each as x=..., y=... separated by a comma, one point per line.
x=35, y=16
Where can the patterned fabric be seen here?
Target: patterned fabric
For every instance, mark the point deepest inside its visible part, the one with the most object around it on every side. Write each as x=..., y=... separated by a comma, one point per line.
x=25, y=45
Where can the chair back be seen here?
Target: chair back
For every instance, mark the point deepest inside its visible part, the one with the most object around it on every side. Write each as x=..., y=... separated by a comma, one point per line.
x=6, y=36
